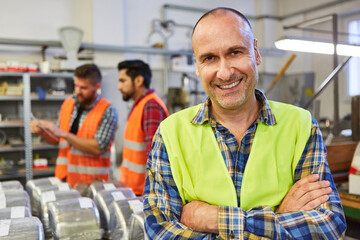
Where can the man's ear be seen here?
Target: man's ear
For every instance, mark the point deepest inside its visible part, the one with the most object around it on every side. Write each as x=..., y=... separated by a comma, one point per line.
x=98, y=86
x=139, y=81
x=257, y=53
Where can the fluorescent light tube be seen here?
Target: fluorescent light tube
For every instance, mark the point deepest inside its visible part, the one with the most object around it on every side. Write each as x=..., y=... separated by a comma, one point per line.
x=310, y=46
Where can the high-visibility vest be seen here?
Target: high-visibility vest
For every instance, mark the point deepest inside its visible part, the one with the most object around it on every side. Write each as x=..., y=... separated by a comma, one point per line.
x=82, y=167
x=133, y=166
x=200, y=172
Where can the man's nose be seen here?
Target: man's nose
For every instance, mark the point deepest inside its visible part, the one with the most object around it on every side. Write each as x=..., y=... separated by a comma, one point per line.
x=225, y=70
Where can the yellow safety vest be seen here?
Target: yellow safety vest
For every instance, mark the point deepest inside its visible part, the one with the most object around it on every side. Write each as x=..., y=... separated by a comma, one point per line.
x=200, y=172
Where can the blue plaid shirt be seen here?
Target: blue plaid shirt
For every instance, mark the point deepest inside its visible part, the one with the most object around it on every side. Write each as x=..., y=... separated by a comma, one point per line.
x=162, y=202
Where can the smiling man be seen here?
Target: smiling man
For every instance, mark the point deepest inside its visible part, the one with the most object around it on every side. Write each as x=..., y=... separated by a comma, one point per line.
x=85, y=131
x=238, y=166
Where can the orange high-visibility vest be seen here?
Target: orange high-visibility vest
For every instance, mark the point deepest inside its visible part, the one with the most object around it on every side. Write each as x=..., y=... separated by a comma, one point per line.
x=133, y=166
x=82, y=167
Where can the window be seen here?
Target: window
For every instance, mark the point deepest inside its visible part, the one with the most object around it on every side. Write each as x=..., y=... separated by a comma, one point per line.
x=354, y=70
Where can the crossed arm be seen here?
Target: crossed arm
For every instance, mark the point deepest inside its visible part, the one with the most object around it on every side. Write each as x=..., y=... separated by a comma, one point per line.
x=305, y=195
x=310, y=209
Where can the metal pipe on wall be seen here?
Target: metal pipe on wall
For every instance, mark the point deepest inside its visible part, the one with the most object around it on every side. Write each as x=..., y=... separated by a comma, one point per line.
x=335, y=63
x=326, y=82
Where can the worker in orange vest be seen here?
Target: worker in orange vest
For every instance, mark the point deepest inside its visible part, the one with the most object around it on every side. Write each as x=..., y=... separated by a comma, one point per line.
x=144, y=118
x=85, y=130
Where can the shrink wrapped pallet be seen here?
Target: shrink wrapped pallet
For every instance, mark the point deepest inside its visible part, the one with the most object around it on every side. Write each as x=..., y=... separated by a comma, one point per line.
x=121, y=211
x=32, y=184
x=74, y=219
x=53, y=196
x=98, y=186
x=10, y=185
x=136, y=227
x=40, y=190
x=104, y=198
x=14, y=212
x=14, y=199
x=29, y=228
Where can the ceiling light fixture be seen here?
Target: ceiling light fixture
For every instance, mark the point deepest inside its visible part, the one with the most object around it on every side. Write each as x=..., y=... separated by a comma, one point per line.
x=313, y=46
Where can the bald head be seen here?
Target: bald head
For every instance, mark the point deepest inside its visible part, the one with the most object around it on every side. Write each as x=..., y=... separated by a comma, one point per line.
x=221, y=23
x=220, y=11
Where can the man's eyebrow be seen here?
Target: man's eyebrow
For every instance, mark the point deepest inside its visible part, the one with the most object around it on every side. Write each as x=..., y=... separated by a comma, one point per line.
x=237, y=48
x=205, y=55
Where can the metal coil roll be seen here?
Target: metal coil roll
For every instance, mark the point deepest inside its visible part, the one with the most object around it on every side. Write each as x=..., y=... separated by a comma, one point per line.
x=53, y=196
x=74, y=219
x=29, y=228
x=104, y=198
x=121, y=211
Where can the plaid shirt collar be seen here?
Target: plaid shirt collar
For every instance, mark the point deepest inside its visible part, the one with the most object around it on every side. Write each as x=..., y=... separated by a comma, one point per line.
x=266, y=115
x=149, y=91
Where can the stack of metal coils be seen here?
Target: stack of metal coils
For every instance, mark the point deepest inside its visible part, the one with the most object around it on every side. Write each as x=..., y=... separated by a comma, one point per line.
x=32, y=185
x=74, y=219
x=104, y=198
x=121, y=215
x=39, y=191
x=16, y=221
x=53, y=196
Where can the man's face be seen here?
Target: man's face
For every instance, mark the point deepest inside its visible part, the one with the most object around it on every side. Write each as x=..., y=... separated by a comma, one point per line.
x=126, y=86
x=226, y=59
x=85, y=91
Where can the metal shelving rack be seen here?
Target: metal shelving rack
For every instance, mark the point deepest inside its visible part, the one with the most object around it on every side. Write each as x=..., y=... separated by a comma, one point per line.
x=27, y=99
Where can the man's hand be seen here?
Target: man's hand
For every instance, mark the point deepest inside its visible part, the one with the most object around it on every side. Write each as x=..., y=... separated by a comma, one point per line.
x=46, y=130
x=34, y=128
x=200, y=216
x=53, y=129
x=306, y=194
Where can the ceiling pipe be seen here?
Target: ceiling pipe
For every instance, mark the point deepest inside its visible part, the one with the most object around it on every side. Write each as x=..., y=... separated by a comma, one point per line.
x=259, y=17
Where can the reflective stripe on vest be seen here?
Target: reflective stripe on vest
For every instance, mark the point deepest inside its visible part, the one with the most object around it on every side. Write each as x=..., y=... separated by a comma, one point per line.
x=132, y=170
x=135, y=145
x=78, y=152
x=63, y=144
x=87, y=170
x=62, y=160
x=200, y=172
x=133, y=167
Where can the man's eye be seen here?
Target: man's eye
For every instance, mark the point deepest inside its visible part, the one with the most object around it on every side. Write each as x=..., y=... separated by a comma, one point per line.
x=236, y=52
x=209, y=58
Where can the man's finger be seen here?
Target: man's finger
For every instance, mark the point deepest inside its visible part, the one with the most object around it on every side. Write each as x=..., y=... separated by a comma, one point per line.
x=315, y=203
x=308, y=187
x=307, y=179
x=312, y=196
